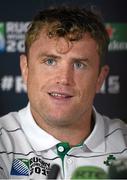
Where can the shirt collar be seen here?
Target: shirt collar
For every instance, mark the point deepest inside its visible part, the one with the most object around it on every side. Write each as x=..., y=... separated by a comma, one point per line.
x=38, y=138
x=96, y=140
x=41, y=140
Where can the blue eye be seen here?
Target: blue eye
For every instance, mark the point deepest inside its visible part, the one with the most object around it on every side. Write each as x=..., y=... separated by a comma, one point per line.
x=78, y=65
x=50, y=62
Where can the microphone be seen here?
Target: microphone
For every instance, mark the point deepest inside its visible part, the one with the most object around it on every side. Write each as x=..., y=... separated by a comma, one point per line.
x=118, y=169
x=53, y=173
x=89, y=172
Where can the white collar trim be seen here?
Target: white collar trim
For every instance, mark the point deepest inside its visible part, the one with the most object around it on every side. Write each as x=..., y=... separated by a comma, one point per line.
x=38, y=138
x=96, y=140
x=41, y=140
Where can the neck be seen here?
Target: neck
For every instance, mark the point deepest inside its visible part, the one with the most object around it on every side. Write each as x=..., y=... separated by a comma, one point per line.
x=73, y=134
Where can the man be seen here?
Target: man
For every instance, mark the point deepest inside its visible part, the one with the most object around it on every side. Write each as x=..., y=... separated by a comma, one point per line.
x=63, y=68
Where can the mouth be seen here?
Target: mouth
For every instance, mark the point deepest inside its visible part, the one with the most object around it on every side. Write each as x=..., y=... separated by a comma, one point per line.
x=58, y=95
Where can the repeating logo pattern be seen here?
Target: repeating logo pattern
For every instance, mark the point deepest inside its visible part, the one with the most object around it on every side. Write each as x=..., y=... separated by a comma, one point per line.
x=118, y=36
x=12, y=36
x=2, y=37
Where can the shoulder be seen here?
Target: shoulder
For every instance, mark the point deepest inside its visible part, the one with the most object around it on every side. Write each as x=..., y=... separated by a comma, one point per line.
x=11, y=133
x=114, y=129
x=114, y=125
x=111, y=124
x=10, y=121
x=115, y=132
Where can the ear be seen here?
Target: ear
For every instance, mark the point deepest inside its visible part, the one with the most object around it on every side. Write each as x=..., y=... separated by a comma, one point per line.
x=24, y=67
x=102, y=76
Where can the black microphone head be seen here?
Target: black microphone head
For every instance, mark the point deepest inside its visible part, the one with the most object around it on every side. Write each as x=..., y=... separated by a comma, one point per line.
x=53, y=173
x=118, y=169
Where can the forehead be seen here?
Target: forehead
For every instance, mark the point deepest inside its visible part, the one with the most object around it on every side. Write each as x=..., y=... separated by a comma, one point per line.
x=63, y=46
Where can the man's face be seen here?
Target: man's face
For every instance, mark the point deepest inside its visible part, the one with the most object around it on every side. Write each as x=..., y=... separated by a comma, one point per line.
x=62, y=79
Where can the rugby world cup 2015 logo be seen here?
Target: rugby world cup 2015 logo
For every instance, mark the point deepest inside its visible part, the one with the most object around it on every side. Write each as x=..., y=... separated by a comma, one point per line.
x=20, y=167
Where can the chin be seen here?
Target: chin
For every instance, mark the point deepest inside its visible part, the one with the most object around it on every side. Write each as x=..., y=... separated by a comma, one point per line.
x=58, y=120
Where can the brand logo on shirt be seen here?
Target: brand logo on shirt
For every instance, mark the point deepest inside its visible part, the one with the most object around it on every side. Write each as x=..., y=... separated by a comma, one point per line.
x=27, y=167
x=109, y=160
x=20, y=167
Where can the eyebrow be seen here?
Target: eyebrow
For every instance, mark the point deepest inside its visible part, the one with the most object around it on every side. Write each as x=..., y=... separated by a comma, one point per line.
x=59, y=57
x=48, y=55
x=80, y=59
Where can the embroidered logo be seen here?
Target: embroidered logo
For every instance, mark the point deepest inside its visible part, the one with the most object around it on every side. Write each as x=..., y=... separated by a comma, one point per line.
x=109, y=160
x=38, y=166
x=27, y=167
x=20, y=167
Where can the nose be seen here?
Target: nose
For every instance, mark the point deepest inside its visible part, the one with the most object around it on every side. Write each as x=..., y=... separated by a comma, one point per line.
x=66, y=76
